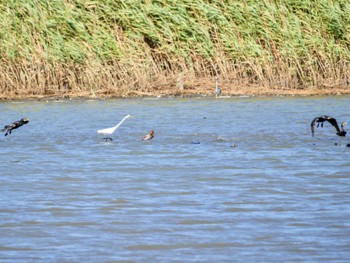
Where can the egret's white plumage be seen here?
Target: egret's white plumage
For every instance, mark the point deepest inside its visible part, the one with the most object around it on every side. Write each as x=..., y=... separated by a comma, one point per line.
x=109, y=131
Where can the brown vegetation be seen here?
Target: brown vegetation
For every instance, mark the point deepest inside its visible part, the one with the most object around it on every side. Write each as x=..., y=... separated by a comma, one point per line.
x=41, y=82
x=105, y=49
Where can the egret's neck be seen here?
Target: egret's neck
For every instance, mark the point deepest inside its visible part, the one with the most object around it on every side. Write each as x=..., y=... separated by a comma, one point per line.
x=121, y=122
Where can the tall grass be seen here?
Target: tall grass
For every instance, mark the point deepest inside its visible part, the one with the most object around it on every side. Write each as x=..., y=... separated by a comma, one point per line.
x=122, y=47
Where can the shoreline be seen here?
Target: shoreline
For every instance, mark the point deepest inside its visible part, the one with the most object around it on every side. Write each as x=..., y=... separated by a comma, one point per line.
x=252, y=91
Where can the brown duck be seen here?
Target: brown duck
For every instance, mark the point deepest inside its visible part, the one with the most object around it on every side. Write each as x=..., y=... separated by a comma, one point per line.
x=149, y=136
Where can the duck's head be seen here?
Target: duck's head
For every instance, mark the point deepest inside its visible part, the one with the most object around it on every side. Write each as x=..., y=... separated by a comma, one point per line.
x=25, y=120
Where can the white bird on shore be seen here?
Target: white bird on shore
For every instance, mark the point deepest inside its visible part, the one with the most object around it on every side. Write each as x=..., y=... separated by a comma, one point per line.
x=109, y=131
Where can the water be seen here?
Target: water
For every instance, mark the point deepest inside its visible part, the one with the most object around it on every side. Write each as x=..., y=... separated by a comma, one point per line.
x=189, y=195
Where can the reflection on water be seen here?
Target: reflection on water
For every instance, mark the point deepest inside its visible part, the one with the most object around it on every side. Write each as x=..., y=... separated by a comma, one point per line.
x=187, y=195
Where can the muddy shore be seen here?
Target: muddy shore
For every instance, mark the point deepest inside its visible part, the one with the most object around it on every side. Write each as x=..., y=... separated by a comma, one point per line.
x=187, y=91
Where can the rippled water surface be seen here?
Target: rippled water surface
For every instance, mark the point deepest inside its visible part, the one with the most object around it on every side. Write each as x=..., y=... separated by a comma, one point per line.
x=224, y=180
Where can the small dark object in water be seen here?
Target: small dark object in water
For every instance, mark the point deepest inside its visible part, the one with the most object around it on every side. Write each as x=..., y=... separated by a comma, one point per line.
x=335, y=143
x=195, y=142
x=348, y=145
x=14, y=125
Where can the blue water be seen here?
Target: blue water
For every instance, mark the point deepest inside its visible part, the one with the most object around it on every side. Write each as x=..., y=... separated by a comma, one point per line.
x=224, y=180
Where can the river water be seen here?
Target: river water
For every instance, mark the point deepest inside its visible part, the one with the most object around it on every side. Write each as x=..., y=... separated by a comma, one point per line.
x=224, y=180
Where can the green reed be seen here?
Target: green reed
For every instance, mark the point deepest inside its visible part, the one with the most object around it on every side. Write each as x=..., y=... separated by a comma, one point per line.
x=111, y=46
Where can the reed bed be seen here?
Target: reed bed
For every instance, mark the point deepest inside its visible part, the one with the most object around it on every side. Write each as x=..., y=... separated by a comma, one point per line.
x=110, y=48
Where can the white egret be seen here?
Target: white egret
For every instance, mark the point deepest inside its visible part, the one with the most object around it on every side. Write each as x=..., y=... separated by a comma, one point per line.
x=109, y=131
x=8, y=128
x=148, y=136
x=217, y=88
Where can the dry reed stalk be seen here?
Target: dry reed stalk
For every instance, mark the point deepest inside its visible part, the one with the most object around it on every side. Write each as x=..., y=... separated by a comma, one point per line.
x=37, y=80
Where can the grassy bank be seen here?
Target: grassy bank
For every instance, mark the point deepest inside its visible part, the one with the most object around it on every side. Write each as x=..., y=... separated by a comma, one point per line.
x=131, y=48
